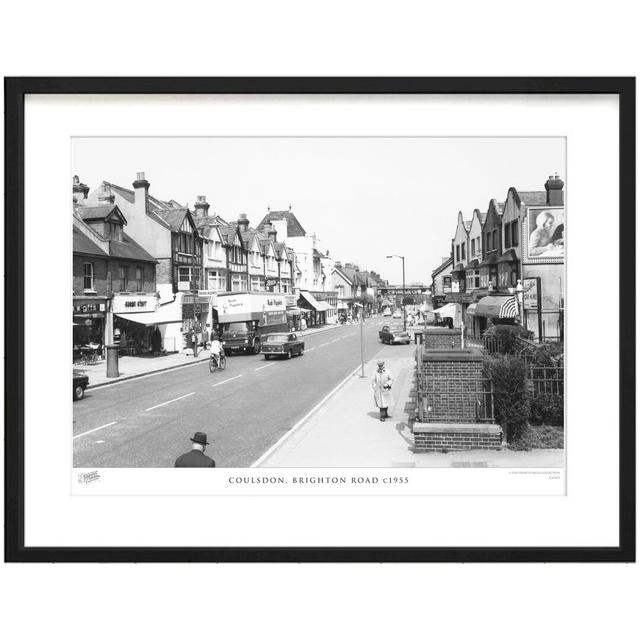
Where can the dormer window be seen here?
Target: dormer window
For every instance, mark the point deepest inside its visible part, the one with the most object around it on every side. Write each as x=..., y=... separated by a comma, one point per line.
x=112, y=231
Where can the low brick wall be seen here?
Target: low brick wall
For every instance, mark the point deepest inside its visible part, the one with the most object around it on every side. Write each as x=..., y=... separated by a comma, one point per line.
x=456, y=437
x=441, y=338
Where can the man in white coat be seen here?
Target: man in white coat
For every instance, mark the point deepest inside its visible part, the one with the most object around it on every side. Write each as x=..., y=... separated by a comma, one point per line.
x=381, y=383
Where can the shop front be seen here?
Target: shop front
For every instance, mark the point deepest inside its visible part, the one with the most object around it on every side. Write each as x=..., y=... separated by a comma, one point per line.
x=196, y=315
x=143, y=327
x=89, y=327
x=315, y=311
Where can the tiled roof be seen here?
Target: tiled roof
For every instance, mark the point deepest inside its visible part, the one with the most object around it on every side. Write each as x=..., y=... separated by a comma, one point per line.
x=99, y=212
x=348, y=273
x=173, y=218
x=442, y=267
x=82, y=244
x=533, y=197
x=294, y=228
x=130, y=249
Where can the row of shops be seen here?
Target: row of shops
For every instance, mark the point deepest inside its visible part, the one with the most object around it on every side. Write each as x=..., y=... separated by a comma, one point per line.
x=144, y=325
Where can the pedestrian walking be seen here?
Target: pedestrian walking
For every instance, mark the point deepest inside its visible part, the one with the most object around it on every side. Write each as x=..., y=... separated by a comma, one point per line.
x=381, y=382
x=196, y=457
x=303, y=325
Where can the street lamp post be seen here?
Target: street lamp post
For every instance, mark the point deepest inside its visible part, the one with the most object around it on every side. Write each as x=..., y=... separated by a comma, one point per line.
x=520, y=298
x=404, y=310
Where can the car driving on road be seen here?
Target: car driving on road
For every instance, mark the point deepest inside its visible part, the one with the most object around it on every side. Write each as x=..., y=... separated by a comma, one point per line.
x=394, y=335
x=283, y=345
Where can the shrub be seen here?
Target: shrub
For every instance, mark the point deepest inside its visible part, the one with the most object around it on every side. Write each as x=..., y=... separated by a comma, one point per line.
x=506, y=335
x=545, y=437
x=511, y=403
x=547, y=409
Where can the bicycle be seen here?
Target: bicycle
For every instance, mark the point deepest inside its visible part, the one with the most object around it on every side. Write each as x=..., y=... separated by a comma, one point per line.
x=217, y=363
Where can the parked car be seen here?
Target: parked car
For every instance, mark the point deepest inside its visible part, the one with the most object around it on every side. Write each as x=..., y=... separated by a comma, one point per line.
x=386, y=312
x=284, y=345
x=397, y=314
x=394, y=335
x=80, y=382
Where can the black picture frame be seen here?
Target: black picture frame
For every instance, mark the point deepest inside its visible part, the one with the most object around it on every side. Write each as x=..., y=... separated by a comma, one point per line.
x=15, y=91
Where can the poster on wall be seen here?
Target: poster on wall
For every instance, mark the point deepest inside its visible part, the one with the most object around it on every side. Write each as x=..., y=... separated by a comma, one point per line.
x=545, y=234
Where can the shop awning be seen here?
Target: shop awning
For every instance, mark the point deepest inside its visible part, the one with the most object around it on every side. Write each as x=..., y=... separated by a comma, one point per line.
x=471, y=309
x=496, y=307
x=294, y=311
x=311, y=300
x=326, y=306
x=342, y=305
x=170, y=312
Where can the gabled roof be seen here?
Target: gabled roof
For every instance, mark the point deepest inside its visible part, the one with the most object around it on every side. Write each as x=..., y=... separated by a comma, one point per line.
x=343, y=275
x=203, y=222
x=99, y=212
x=82, y=244
x=446, y=264
x=348, y=273
x=128, y=248
x=294, y=228
x=532, y=198
x=173, y=218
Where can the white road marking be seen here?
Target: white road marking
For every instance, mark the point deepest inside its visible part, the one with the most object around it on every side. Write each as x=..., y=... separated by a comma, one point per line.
x=300, y=422
x=336, y=340
x=92, y=430
x=228, y=379
x=323, y=345
x=99, y=441
x=307, y=350
x=170, y=401
x=264, y=366
x=350, y=334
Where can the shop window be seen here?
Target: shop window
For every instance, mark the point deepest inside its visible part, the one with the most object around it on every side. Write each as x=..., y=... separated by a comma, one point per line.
x=139, y=279
x=88, y=276
x=124, y=277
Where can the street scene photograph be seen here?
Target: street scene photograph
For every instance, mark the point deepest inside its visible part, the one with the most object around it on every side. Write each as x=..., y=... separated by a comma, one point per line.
x=318, y=302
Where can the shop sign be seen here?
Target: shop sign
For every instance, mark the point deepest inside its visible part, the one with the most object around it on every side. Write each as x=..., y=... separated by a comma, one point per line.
x=455, y=287
x=134, y=304
x=531, y=293
x=89, y=307
x=270, y=282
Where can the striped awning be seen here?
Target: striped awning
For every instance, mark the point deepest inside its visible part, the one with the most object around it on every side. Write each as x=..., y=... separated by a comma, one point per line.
x=495, y=307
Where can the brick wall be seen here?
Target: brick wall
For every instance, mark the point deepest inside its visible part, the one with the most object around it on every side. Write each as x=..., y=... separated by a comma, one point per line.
x=442, y=338
x=456, y=437
x=453, y=388
x=101, y=283
x=164, y=273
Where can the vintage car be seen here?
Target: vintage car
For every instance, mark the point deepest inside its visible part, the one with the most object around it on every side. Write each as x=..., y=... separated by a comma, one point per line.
x=397, y=314
x=284, y=345
x=394, y=335
x=386, y=312
x=80, y=382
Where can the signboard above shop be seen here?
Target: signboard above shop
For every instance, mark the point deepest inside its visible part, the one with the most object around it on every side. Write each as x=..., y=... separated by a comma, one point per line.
x=531, y=292
x=134, y=303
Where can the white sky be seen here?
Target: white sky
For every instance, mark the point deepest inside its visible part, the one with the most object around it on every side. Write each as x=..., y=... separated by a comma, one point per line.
x=365, y=198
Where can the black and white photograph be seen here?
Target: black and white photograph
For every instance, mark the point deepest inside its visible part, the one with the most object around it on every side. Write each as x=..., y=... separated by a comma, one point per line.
x=318, y=302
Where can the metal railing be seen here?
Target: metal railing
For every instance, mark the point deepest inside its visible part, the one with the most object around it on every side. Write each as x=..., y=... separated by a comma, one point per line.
x=545, y=380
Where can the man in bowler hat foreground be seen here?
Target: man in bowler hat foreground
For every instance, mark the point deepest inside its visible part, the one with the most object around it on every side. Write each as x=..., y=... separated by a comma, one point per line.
x=196, y=457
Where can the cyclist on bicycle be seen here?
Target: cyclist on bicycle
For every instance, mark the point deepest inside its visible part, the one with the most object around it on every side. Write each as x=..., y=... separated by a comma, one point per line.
x=216, y=349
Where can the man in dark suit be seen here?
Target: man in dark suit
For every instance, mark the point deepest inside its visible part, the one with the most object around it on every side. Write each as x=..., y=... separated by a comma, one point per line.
x=196, y=457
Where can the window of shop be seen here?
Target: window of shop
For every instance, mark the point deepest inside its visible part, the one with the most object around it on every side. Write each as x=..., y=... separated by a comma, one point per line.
x=88, y=276
x=238, y=282
x=139, y=278
x=188, y=275
x=124, y=277
x=216, y=281
x=484, y=278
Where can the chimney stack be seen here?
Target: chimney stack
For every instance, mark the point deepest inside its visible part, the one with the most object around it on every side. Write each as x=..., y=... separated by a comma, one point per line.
x=201, y=207
x=106, y=196
x=141, y=191
x=555, y=194
x=80, y=191
x=243, y=222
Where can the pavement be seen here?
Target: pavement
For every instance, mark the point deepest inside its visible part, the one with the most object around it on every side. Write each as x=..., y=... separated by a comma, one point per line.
x=344, y=429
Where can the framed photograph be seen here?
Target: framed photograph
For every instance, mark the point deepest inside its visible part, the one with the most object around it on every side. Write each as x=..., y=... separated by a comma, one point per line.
x=319, y=319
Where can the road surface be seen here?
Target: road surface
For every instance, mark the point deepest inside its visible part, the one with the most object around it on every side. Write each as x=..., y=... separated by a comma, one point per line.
x=244, y=410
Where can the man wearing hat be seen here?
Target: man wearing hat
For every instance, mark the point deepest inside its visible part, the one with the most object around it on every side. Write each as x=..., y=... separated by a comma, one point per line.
x=381, y=383
x=196, y=457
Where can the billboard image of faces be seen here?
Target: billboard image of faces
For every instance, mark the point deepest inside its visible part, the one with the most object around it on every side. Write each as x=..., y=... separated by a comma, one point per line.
x=546, y=237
